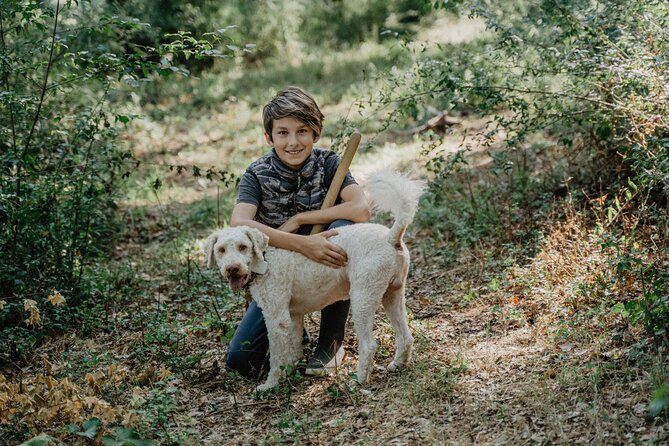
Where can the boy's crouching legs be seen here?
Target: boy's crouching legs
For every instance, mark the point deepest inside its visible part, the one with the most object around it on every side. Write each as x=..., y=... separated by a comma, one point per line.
x=249, y=347
x=329, y=349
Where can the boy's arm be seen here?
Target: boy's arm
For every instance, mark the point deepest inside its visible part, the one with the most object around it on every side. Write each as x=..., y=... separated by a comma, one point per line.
x=316, y=247
x=354, y=208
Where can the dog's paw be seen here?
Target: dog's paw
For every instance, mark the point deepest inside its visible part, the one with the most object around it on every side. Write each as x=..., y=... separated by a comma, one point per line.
x=264, y=387
x=394, y=366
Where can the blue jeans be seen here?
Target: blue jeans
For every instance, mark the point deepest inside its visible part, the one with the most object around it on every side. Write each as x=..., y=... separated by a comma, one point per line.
x=248, y=352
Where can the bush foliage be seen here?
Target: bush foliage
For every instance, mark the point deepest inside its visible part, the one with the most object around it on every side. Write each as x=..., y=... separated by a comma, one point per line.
x=61, y=165
x=590, y=76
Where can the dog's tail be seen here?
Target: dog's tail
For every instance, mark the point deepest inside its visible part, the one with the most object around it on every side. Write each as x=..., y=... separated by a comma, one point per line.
x=398, y=194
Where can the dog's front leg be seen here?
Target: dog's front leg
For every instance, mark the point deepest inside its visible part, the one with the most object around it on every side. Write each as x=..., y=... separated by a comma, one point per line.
x=296, y=338
x=279, y=332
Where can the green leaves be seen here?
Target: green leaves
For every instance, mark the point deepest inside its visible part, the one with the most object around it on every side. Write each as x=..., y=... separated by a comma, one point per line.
x=650, y=304
x=660, y=401
x=40, y=440
x=89, y=429
x=122, y=118
x=125, y=437
x=63, y=168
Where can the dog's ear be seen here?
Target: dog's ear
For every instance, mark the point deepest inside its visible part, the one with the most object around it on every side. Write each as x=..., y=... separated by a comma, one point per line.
x=260, y=242
x=208, y=248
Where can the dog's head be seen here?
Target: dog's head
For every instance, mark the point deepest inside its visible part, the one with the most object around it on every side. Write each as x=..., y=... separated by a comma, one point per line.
x=237, y=252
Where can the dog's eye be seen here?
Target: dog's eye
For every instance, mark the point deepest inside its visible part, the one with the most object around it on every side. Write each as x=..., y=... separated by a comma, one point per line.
x=243, y=248
x=221, y=250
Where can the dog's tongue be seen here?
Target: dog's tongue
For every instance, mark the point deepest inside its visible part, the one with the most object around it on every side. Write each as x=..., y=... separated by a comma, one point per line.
x=236, y=282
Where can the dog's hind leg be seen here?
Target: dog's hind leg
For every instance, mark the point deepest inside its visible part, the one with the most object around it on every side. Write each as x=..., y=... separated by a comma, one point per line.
x=363, y=306
x=395, y=306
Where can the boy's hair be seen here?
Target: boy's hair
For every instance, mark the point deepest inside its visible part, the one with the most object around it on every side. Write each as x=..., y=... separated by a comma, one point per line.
x=296, y=103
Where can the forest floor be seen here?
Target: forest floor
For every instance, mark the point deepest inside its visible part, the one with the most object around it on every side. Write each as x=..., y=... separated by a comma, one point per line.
x=496, y=361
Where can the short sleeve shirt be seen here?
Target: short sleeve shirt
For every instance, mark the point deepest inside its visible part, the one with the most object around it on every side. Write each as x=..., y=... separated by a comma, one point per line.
x=280, y=192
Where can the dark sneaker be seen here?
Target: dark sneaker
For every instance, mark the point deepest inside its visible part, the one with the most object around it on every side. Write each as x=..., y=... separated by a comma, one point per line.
x=324, y=363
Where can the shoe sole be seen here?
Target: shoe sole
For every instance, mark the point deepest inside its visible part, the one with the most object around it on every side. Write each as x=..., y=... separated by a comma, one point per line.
x=328, y=368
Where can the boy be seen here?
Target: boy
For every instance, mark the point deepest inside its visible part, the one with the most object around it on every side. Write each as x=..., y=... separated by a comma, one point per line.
x=281, y=194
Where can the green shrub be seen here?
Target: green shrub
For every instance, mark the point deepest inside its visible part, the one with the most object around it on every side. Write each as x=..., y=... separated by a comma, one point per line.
x=589, y=80
x=61, y=165
x=590, y=75
x=59, y=168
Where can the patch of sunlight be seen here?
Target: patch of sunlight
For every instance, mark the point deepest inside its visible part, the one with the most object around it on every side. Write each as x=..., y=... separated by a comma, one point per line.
x=193, y=192
x=200, y=141
x=393, y=156
x=453, y=30
x=408, y=157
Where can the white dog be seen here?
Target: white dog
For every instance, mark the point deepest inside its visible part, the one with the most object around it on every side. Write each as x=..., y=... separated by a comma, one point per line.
x=286, y=284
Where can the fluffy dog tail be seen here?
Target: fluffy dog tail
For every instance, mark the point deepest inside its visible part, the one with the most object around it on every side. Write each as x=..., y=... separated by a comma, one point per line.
x=398, y=194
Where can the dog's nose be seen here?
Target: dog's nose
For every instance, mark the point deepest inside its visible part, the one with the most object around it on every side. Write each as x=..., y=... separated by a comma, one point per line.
x=232, y=270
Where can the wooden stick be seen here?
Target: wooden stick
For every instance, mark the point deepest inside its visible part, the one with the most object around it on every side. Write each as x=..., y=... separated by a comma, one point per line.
x=340, y=174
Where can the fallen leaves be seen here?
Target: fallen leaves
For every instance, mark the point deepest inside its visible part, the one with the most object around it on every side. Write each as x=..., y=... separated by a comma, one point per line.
x=56, y=299
x=34, y=319
x=34, y=316
x=44, y=399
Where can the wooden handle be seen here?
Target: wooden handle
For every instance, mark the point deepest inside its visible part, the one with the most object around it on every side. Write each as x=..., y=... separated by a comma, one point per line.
x=338, y=179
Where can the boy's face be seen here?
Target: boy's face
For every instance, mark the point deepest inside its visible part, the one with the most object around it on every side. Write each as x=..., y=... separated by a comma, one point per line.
x=292, y=140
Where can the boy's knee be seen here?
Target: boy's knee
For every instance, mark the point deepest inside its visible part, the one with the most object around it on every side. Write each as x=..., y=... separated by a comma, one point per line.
x=245, y=363
x=240, y=362
x=234, y=362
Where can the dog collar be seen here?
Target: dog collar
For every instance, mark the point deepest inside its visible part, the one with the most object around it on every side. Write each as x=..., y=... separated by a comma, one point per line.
x=259, y=267
x=245, y=288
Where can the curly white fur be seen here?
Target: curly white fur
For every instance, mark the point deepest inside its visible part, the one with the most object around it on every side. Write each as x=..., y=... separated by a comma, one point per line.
x=378, y=263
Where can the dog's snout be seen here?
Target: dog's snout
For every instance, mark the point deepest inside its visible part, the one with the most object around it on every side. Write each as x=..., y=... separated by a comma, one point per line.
x=232, y=270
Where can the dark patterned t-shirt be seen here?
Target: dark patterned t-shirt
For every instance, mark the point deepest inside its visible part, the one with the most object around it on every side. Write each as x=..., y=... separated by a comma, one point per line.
x=280, y=192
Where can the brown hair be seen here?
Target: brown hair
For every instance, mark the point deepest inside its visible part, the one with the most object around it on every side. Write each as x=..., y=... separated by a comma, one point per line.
x=296, y=103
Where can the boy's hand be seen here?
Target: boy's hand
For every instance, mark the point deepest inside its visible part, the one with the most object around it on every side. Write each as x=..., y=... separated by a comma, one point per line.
x=291, y=225
x=319, y=249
